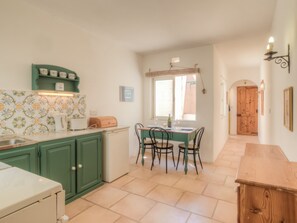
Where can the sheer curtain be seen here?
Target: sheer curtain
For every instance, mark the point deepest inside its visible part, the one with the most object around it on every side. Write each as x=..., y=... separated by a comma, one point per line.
x=180, y=91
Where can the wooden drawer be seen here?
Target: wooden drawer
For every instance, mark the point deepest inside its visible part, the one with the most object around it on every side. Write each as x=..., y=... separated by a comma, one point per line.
x=261, y=205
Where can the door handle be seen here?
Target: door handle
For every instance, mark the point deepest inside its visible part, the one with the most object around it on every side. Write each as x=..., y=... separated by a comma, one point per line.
x=80, y=166
x=73, y=168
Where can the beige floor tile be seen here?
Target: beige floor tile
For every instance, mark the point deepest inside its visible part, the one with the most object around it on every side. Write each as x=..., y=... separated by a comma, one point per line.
x=142, y=173
x=226, y=212
x=165, y=194
x=198, y=204
x=107, y=196
x=76, y=207
x=166, y=179
x=125, y=220
x=220, y=162
x=122, y=181
x=199, y=219
x=162, y=213
x=221, y=192
x=212, y=178
x=93, y=214
x=139, y=186
x=191, y=185
x=230, y=182
x=133, y=206
x=228, y=171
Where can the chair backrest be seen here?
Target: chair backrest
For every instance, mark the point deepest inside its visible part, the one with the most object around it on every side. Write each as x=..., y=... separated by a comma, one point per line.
x=160, y=135
x=198, y=136
x=137, y=126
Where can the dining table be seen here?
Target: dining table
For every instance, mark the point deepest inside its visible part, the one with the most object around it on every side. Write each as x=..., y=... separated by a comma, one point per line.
x=179, y=134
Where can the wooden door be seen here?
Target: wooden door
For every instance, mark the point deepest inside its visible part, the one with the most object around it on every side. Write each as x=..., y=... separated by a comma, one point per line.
x=247, y=110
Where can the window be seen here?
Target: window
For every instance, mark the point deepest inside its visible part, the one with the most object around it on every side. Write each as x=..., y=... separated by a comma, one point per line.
x=175, y=95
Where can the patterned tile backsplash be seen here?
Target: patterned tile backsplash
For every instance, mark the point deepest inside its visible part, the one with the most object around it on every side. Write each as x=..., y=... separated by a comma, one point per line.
x=27, y=113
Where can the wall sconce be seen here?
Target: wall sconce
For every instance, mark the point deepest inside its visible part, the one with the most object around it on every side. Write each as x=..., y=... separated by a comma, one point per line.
x=284, y=61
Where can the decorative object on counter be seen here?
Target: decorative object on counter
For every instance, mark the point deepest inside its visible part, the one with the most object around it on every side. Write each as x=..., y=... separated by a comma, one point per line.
x=62, y=74
x=53, y=73
x=27, y=112
x=126, y=94
x=43, y=71
x=169, y=122
x=284, y=60
x=71, y=76
x=288, y=108
x=59, y=86
x=45, y=82
x=103, y=122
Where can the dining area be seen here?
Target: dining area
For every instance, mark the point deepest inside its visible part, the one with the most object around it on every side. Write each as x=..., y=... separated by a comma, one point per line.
x=159, y=139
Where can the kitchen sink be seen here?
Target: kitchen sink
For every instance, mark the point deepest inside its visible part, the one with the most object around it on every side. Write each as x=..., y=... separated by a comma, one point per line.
x=11, y=142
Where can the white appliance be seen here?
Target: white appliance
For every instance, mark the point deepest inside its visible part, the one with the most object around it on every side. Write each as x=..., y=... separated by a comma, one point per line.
x=29, y=198
x=115, y=153
x=60, y=122
x=78, y=124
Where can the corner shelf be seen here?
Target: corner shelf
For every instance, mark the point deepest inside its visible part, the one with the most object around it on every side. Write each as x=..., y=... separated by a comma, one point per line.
x=47, y=82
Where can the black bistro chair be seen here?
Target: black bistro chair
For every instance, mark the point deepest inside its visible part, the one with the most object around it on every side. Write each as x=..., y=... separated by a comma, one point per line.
x=147, y=142
x=193, y=148
x=160, y=138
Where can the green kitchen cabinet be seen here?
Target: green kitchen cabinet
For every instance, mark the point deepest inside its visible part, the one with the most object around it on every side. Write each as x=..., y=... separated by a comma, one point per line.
x=89, y=165
x=24, y=157
x=74, y=162
x=57, y=162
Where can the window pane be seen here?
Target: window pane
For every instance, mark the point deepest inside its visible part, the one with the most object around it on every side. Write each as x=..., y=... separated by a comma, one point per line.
x=185, y=97
x=163, y=97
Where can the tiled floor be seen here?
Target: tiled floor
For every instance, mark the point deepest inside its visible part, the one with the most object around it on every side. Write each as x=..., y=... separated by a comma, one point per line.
x=155, y=197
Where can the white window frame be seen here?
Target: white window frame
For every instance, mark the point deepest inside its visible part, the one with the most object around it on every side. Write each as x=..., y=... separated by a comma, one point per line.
x=168, y=77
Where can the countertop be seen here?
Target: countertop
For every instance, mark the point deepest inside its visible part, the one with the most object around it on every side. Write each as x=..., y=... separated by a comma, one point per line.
x=43, y=137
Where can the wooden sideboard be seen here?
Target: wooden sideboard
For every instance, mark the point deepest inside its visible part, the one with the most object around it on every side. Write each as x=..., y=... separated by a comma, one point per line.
x=267, y=189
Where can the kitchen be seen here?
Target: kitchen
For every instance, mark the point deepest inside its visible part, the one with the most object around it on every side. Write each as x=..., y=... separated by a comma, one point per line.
x=37, y=32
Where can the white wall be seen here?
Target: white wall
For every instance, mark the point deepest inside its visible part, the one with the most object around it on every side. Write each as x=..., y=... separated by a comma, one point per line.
x=29, y=35
x=220, y=114
x=204, y=57
x=284, y=30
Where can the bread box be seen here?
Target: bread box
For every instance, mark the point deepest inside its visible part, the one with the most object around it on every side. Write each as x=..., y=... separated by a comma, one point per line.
x=103, y=121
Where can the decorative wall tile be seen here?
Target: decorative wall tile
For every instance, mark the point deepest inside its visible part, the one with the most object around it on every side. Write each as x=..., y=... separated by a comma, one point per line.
x=26, y=112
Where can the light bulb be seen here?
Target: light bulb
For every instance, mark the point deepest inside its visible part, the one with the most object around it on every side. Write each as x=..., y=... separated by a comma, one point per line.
x=271, y=39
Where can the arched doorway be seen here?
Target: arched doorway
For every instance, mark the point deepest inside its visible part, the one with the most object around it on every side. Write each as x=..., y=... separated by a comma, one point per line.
x=243, y=108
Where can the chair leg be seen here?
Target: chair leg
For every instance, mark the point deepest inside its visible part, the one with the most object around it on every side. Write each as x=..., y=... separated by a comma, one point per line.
x=184, y=158
x=138, y=153
x=200, y=160
x=194, y=155
x=173, y=158
x=178, y=158
x=160, y=155
x=166, y=159
x=153, y=158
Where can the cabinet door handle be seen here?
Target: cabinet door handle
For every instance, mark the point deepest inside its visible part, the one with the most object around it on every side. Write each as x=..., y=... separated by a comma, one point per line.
x=255, y=210
x=79, y=166
x=73, y=168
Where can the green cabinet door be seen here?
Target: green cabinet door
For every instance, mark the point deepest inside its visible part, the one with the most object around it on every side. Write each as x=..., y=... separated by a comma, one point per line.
x=58, y=163
x=22, y=157
x=89, y=170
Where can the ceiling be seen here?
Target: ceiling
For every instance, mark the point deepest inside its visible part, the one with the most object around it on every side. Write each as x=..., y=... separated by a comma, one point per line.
x=147, y=26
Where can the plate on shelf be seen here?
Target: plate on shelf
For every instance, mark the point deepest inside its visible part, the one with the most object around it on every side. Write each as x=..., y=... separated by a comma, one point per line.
x=43, y=71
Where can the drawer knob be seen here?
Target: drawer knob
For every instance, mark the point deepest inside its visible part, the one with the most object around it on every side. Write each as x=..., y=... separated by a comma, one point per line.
x=255, y=210
x=73, y=168
x=80, y=166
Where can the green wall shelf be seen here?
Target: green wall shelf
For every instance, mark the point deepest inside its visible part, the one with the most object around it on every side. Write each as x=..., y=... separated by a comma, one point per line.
x=48, y=82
